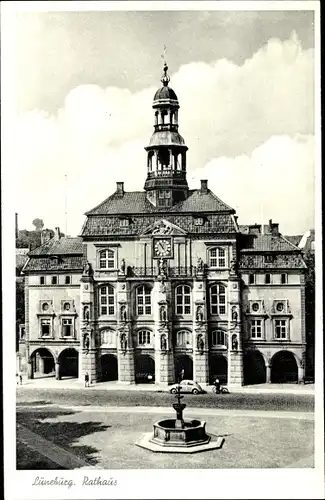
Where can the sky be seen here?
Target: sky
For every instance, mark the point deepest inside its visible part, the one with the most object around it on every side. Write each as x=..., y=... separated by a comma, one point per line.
x=84, y=85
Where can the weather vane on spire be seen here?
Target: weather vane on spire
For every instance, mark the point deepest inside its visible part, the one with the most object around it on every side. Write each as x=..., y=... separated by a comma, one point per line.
x=165, y=78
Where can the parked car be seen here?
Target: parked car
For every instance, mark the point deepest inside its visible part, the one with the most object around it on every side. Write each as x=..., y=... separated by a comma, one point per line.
x=187, y=386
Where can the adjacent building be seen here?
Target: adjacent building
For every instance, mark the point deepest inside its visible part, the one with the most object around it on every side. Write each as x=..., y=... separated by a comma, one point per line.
x=163, y=283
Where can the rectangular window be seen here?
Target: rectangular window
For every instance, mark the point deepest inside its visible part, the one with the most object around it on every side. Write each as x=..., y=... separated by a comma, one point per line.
x=45, y=327
x=256, y=329
x=144, y=337
x=280, y=329
x=107, y=259
x=284, y=279
x=68, y=280
x=42, y=280
x=54, y=280
x=251, y=279
x=67, y=327
x=124, y=222
x=267, y=279
x=198, y=221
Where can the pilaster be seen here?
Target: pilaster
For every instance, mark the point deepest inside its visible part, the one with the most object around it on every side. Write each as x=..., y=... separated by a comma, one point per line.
x=87, y=346
x=235, y=333
x=200, y=331
x=125, y=352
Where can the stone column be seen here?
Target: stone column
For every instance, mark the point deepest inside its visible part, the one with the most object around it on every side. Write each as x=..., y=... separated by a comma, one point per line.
x=125, y=351
x=57, y=370
x=301, y=369
x=164, y=354
x=235, y=346
x=30, y=369
x=41, y=365
x=87, y=346
x=200, y=331
x=268, y=374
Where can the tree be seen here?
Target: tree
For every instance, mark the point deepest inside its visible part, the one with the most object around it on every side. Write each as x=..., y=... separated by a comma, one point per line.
x=38, y=223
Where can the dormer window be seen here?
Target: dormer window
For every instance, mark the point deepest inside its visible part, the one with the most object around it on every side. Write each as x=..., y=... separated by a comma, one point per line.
x=124, y=222
x=198, y=221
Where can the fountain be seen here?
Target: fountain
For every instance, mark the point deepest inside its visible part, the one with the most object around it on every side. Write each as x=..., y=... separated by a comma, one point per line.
x=178, y=435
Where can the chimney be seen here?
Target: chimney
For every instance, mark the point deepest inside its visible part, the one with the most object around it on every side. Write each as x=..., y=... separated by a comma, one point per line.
x=204, y=186
x=273, y=228
x=120, y=188
x=57, y=234
x=254, y=229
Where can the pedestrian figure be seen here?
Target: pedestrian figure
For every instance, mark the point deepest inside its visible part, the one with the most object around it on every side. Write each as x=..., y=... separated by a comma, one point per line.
x=86, y=379
x=181, y=375
x=217, y=385
x=20, y=379
x=17, y=378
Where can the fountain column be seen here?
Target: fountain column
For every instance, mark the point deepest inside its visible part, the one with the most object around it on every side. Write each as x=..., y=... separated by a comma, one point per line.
x=200, y=331
x=235, y=345
x=164, y=356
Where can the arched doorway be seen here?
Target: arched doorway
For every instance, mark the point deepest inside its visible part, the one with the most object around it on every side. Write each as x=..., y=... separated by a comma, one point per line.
x=108, y=365
x=284, y=368
x=254, y=368
x=183, y=362
x=43, y=363
x=218, y=368
x=144, y=369
x=68, y=360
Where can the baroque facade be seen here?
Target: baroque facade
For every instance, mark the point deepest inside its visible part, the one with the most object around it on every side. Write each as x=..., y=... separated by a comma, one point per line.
x=164, y=283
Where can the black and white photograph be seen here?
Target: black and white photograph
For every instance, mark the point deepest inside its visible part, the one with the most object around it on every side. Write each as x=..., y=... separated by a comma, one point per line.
x=161, y=237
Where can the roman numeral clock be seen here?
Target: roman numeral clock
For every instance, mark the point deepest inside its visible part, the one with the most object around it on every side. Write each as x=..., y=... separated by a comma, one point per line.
x=162, y=248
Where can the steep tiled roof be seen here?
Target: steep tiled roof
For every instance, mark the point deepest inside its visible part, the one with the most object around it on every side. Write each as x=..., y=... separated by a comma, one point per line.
x=267, y=243
x=295, y=240
x=286, y=261
x=135, y=202
x=64, y=263
x=63, y=246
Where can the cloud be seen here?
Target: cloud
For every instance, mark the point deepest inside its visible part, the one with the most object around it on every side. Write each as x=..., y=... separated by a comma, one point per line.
x=233, y=118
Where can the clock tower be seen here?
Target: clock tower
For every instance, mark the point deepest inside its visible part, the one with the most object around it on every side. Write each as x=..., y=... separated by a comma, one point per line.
x=166, y=182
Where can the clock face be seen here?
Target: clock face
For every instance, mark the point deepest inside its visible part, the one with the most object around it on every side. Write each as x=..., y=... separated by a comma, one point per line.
x=162, y=248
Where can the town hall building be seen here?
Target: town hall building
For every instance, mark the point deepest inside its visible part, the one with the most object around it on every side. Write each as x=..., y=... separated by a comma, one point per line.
x=164, y=283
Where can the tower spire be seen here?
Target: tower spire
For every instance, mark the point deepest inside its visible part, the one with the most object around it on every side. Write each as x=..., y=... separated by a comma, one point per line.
x=165, y=79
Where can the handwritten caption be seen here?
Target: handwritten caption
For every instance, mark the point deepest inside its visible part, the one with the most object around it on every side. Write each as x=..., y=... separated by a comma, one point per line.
x=69, y=483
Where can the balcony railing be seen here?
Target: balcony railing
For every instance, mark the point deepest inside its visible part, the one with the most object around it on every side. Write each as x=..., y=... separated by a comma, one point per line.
x=168, y=172
x=171, y=272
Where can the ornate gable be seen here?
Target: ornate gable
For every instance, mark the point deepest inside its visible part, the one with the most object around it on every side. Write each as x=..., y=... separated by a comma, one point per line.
x=163, y=227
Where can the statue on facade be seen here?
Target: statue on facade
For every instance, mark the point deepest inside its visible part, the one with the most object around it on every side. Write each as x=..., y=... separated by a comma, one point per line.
x=200, y=342
x=234, y=314
x=162, y=228
x=234, y=342
x=162, y=267
x=88, y=270
x=200, y=265
x=123, y=313
x=199, y=314
x=163, y=314
x=163, y=342
x=233, y=267
x=123, y=341
x=162, y=287
x=86, y=341
x=86, y=313
x=123, y=267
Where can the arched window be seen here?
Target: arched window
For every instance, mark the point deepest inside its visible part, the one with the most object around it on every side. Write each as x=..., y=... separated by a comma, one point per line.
x=107, y=259
x=217, y=300
x=143, y=300
x=183, y=338
x=107, y=300
x=183, y=299
x=108, y=337
x=217, y=257
x=219, y=338
x=144, y=337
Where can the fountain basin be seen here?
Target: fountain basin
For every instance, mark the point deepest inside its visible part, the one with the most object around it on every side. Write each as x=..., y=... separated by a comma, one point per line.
x=168, y=433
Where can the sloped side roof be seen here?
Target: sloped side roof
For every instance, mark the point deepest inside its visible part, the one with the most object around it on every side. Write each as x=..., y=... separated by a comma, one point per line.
x=65, y=263
x=63, y=246
x=267, y=243
x=135, y=202
x=295, y=240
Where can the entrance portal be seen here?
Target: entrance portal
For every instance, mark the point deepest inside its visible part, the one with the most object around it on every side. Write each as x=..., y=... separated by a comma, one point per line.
x=183, y=362
x=108, y=365
x=254, y=368
x=218, y=368
x=43, y=363
x=284, y=368
x=68, y=360
x=144, y=369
